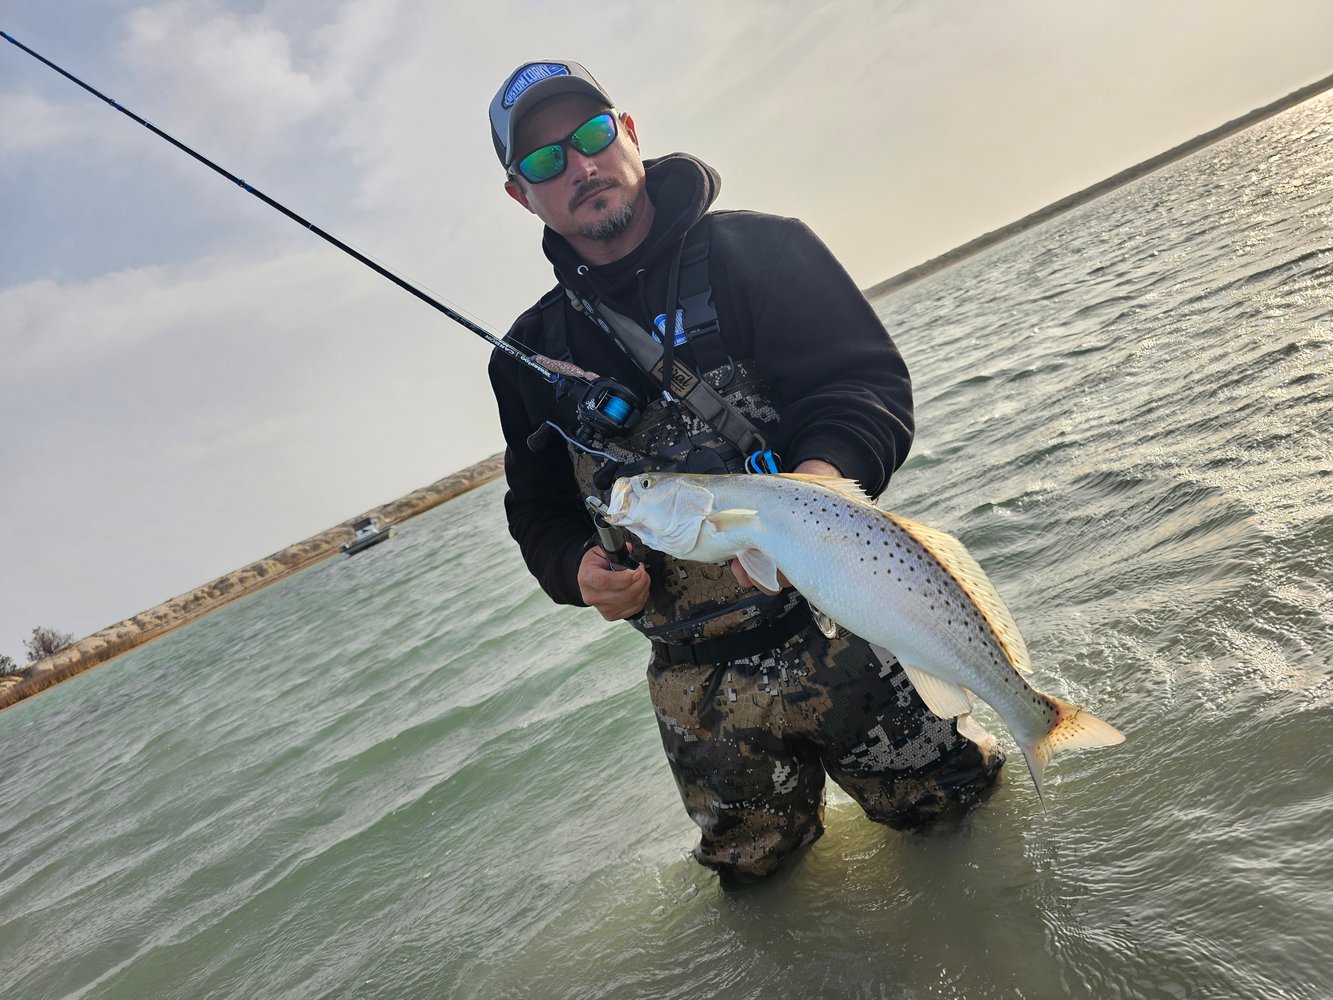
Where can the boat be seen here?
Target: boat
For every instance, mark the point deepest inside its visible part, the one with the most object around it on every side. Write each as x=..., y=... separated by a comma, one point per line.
x=368, y=533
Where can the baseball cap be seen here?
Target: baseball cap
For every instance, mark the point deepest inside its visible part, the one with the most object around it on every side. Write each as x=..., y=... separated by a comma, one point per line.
x=530, y=83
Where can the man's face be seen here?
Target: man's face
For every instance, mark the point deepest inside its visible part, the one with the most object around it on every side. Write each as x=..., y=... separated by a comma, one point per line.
x=596, y=197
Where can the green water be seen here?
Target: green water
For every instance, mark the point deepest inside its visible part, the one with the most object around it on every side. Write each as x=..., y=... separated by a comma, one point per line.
x=408, y=775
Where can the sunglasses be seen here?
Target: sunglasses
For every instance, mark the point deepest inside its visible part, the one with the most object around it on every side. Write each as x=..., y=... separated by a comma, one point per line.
x=590, y=138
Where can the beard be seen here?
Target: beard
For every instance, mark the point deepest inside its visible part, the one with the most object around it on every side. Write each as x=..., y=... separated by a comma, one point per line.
x=609, y=226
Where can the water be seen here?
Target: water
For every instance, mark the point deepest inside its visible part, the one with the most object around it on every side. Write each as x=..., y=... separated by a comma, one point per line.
x=408, y=775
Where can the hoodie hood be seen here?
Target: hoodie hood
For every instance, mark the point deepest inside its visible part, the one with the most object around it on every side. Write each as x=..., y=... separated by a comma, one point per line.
x=681, y=188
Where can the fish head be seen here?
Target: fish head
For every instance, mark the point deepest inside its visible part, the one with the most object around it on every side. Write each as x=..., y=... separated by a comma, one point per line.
x=666, y=510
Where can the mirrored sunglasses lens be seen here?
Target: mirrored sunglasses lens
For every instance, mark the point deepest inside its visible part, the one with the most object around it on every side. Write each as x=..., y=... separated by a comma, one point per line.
x=594, y=136
x=542, y=164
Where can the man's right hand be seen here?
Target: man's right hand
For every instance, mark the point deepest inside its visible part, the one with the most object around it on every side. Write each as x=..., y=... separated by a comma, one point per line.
x=616, y=594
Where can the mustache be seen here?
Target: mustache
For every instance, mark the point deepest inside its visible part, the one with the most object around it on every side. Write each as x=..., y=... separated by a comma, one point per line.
x=588, y=188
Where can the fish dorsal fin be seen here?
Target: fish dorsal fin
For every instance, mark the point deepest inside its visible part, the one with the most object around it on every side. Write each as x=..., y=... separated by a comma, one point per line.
x=848, y=488
x=953, y=556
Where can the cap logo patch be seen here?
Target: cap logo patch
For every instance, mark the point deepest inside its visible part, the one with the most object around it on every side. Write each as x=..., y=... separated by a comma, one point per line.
x=528, y=75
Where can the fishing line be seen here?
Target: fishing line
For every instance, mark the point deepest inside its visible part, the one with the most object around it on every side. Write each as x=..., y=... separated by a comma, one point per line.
x=407, y=286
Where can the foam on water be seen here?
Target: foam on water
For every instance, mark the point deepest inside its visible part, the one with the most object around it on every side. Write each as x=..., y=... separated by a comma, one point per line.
x=408, y=775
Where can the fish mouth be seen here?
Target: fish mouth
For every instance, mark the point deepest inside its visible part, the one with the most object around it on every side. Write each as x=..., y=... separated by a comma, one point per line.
x=617, y=511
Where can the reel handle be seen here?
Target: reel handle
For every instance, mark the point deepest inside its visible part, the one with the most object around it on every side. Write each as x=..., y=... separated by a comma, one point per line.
x=538, y=438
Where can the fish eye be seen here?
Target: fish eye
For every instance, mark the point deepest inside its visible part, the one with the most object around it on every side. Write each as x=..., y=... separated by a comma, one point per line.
x=645, y=482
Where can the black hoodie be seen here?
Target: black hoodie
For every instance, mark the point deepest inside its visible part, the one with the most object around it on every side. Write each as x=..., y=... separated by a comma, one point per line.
x=840, y=385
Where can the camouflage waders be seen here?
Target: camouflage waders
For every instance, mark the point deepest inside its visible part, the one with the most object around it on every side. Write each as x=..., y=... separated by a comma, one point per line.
x=750, y=740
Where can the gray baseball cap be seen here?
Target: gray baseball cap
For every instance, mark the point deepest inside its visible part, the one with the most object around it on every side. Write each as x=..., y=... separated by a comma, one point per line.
x=530, y=83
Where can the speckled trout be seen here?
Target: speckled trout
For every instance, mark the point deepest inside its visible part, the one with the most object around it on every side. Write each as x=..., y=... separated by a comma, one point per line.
x=902, y=586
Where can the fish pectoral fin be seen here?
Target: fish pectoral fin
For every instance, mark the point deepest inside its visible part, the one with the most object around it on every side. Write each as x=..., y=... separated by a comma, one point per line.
x=970, y=729
x=761, y=568
x=945, y=699
x=735, y=517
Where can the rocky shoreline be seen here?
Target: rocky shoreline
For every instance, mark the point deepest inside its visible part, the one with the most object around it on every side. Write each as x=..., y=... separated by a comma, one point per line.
x=121, y=637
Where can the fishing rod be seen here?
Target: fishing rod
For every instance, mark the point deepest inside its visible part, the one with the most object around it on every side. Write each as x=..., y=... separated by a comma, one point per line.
x=604, y=406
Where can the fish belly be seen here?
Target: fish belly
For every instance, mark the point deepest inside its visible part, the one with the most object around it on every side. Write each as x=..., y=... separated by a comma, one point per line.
x=874, y=579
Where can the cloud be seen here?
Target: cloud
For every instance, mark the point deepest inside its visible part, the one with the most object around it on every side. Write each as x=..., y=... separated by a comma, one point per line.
x=32, y=124
x=234, y=71
x=47, y=327
x=352, y=43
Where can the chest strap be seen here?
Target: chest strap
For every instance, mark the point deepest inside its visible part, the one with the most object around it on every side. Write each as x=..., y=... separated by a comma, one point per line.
x=685, y=386
x=555, y=341
x=703, y=333
x=703, y=337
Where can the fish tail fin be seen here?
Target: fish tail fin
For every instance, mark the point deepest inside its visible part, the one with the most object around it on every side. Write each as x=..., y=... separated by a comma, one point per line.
x=1075, y=728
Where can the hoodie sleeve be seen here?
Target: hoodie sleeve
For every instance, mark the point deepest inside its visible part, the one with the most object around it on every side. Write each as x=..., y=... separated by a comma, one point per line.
x=545, y=511
x=844, y=389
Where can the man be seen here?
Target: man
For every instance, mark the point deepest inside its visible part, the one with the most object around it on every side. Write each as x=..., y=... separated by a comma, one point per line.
x=754, y=702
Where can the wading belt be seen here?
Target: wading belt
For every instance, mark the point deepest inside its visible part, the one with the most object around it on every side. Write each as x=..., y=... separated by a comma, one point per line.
x=738, y=645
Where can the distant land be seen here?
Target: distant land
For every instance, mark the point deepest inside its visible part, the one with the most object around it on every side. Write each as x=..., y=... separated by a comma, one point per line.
x=120, y=638
x=986, y=240
x=124, y=636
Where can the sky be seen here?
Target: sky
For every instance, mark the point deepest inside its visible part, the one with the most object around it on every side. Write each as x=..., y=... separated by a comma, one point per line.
x=189, y=381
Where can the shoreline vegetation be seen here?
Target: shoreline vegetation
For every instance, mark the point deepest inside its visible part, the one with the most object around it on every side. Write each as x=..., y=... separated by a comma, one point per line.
x=110, y=642
x=121, y=637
